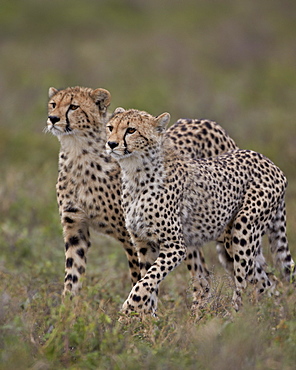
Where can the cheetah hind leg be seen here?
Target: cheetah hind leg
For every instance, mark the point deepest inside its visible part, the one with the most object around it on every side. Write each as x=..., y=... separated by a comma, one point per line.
x=249, y=263
x=279, y=245
x=262, y=279
x=199, y=272
x=265, y=281
x=225, y=258
x=224, y=249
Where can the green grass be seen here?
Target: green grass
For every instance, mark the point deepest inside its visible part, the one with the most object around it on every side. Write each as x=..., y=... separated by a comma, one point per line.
x=230, y=61
x=40, y=332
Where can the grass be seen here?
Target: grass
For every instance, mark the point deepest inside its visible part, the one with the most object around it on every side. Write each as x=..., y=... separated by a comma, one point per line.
x=225, y=60
x=40, y=332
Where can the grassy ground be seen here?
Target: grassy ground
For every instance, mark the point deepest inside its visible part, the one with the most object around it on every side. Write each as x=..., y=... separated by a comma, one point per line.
x=230, y=61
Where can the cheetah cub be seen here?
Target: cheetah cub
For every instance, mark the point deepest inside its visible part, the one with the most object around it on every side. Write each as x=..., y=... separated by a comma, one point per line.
x=173, y=204
x=89, y=181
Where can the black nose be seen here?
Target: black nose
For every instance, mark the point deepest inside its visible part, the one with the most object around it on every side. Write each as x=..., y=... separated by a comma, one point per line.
x=54, y=119
x=112, y=144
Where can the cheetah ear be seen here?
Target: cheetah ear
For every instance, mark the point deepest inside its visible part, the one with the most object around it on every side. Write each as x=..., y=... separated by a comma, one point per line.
x=52, y=91
x=162, y=121
x=102, y=98
x=118, y=110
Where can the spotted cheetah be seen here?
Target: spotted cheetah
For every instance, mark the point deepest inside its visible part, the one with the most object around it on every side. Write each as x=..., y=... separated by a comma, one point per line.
x=89, y=185
x=173, y=203
x=89, y=181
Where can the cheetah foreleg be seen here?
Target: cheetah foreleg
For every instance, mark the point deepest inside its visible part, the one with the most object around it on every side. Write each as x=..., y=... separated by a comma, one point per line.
x=147, y=255
x=76, y=238
x=141, y=298
x=133, y=260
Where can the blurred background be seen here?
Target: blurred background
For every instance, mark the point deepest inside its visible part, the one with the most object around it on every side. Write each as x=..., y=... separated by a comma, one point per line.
x=227, y=60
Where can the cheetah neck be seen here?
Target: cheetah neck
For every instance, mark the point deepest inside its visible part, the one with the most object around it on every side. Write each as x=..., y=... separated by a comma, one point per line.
x=141, y=170
x=75, y=145
x=86, y=147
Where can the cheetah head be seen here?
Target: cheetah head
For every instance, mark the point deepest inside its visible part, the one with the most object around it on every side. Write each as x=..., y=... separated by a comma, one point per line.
x=75, y=109
x=132, y=132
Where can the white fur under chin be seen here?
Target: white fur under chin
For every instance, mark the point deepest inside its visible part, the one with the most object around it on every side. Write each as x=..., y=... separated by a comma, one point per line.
x=118, y=156
x=130, y=162
x=56, y=131
x=53, y=130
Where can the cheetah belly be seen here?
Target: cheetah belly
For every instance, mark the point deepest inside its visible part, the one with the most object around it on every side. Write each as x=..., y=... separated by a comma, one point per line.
x=204, y=225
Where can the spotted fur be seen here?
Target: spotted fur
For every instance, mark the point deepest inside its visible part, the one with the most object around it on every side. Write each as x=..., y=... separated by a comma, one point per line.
x=89, y=185
x=89, y=182
x=173, y=204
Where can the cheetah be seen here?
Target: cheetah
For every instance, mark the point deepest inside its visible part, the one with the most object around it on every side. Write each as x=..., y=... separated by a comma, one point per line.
x=89, y=180
x=88, y=186
x=173, y=203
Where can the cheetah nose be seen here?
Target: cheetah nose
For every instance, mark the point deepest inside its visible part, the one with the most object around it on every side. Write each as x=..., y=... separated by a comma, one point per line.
x=112, y=144
x=54, y=119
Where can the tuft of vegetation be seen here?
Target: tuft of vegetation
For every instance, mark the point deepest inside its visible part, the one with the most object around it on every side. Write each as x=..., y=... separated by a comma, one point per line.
x=230, y=61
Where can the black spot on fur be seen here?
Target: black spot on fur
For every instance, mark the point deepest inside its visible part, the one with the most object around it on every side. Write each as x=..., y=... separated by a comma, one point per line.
x=80, y=252
x=69, y=262
x=74, y=240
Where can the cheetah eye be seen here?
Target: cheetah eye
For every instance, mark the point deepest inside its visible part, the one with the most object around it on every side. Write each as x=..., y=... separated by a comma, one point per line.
x=130, y=130
x=53, y=105
x=73, y=106
x=110, y=128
